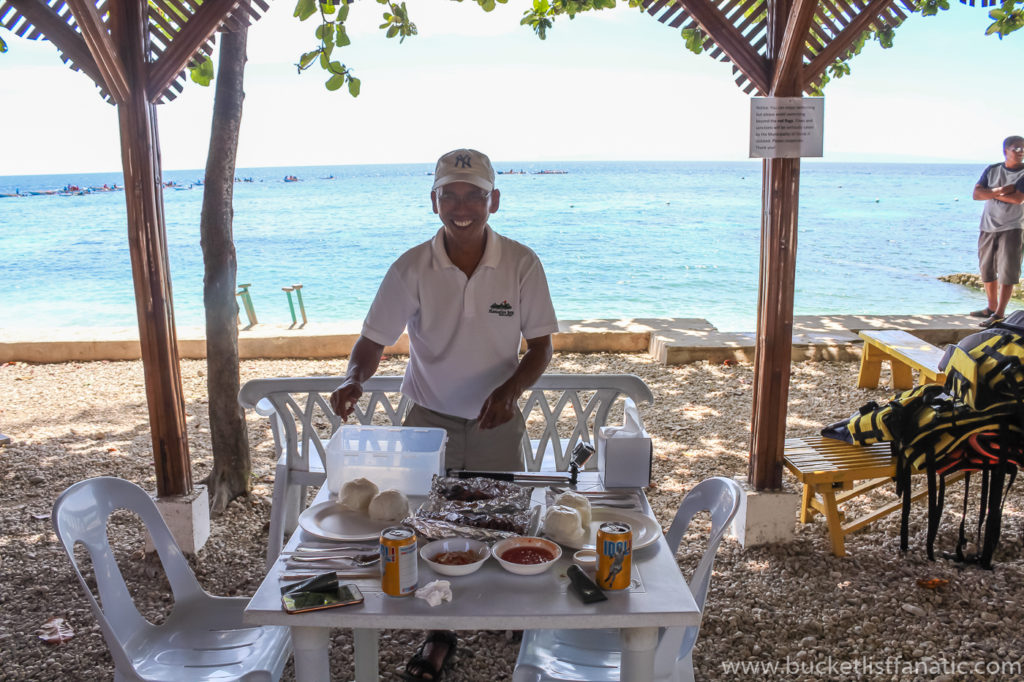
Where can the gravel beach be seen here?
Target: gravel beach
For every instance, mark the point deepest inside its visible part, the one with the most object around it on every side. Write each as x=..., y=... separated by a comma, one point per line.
x=793, y=607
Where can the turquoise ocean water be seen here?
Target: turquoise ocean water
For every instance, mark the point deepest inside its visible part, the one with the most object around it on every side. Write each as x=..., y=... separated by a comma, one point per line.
x=617, y=239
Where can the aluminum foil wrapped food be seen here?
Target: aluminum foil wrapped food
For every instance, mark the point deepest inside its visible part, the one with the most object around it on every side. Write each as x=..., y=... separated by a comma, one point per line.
x=479, y=508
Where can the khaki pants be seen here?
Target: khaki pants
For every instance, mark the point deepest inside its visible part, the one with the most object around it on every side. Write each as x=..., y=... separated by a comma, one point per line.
x=497, y=449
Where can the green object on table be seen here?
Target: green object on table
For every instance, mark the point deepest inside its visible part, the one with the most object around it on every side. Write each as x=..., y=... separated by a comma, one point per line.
x=291, y=306
x=302, y=308
x=250, y=312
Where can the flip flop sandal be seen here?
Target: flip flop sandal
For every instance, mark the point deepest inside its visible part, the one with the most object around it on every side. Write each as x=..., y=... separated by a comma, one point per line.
x=420, y=662
x=990, y=321
x=984, y=312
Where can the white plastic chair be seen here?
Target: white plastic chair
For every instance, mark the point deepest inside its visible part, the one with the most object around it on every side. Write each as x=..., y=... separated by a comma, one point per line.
x=203, y=637
x=595, y=655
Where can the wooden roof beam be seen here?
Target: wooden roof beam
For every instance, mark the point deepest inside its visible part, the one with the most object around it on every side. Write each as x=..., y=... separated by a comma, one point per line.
x=197, y=30
x=732, y=42
x=790, y=59
x=842, y=42
x=101, y=45
x=57, y=31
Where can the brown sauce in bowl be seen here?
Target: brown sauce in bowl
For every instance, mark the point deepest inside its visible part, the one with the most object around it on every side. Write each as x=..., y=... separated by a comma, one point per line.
x=456, y=558
x=527, y=555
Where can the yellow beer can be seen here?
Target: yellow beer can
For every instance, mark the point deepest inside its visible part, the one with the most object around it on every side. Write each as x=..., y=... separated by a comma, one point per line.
x=614, y=555
x=399, y=572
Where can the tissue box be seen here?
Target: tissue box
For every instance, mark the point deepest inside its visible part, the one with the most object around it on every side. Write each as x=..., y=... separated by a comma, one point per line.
x=624, y=461
x=400, y=457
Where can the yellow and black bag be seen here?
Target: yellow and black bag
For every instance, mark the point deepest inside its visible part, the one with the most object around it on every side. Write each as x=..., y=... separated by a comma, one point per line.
x=985, y=368
x=873, y=423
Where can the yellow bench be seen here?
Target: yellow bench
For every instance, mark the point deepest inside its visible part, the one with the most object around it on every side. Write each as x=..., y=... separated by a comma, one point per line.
x=829, y=468
x=904, y=352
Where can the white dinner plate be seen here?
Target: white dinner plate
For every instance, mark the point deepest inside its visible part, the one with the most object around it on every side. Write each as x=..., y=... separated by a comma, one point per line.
x=329, y=521
x=645, y=529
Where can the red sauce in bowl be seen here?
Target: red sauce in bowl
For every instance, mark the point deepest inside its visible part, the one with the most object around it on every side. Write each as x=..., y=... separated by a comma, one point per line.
x=528, y=555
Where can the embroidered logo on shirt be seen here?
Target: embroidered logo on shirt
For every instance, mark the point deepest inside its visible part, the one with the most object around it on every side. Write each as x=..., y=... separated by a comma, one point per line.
x=503, y=309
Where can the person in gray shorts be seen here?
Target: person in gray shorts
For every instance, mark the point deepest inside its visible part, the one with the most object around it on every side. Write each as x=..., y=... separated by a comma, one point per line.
x=1001, y=187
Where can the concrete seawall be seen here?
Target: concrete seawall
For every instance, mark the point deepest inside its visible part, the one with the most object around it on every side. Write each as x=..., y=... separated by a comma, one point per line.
x=669, y=340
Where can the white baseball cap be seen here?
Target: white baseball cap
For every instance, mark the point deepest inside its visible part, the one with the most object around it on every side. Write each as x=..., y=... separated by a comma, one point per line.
x=464, y=165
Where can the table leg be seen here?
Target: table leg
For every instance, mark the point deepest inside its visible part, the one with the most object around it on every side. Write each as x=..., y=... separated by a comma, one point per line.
x=638, y=645
x=310, y=648
x=870, y=366
x=365, y=642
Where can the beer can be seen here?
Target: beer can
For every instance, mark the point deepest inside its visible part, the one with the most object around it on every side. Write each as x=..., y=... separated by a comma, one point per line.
x=399, y=572
x=614, y=555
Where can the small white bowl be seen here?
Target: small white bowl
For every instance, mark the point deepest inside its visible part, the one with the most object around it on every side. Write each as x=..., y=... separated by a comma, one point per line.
x=505, y=545
x=586, y=559
x=432, y=549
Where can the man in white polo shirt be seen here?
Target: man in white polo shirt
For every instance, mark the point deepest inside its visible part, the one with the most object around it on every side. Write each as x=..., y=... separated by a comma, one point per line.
x=468, y=297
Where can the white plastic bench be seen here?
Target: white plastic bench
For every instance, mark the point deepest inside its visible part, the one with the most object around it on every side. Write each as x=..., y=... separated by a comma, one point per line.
x=296, y=406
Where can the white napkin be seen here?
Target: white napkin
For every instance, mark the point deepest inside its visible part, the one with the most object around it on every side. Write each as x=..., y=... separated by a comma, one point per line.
x=435, y=592
x=630, y=428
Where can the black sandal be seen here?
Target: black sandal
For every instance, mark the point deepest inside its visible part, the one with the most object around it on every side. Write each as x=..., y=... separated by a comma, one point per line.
x=420, y=667
x=984, y=312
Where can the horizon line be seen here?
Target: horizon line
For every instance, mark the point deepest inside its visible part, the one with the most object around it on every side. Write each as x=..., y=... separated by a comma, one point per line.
x=918, y=161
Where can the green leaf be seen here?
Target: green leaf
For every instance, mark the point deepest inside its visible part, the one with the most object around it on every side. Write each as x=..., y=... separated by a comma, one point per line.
x=307, y=58
x=694, y=39
x=325, y=59
x=3, y=46
x=304, y=9
x=353, y=86
x=392, y=32
x=202, y=73
x=335, y=82
x=341, y=37
x=343, y=13
x=488, y=5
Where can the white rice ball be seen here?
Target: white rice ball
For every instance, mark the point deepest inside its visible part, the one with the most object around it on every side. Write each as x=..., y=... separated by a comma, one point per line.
x=356, y=494
x=389, y=505
x=564, y=525
x=577, y=502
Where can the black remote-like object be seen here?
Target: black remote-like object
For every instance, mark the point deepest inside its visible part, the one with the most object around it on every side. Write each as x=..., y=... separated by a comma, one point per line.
x=583, y=586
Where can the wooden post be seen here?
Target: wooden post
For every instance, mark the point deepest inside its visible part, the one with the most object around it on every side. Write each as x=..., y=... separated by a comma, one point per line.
x=780, y=197
x=773, y=348
x=147, y=241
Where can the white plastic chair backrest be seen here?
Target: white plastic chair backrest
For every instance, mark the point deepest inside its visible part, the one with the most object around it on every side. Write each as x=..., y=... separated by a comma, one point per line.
x=80, y=514
x=721, y=497
x=275, y=397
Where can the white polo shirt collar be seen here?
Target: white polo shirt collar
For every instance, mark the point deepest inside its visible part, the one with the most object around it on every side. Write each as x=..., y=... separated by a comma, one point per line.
x=492, y=250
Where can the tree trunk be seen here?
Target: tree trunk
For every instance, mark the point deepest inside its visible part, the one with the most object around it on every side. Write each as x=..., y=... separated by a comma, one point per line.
x=232, y=466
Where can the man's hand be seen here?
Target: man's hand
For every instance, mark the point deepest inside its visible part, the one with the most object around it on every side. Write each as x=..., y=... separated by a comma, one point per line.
x=345, y=397
x=500, y=406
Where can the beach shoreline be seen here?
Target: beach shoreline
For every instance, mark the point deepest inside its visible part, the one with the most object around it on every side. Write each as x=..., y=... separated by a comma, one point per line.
x=668, y=340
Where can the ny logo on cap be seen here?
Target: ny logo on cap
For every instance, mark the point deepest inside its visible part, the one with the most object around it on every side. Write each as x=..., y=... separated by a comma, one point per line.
x=462, y=161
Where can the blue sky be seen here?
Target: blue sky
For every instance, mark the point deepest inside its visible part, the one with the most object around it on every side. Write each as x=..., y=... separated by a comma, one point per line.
x=609, y=85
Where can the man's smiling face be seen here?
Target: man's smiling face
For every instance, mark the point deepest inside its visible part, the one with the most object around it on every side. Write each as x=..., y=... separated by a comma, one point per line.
x=1014, y=153
x=464, y=208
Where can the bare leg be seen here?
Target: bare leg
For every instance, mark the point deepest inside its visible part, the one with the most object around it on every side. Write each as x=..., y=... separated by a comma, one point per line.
x=1005, y=291
x=992, y=294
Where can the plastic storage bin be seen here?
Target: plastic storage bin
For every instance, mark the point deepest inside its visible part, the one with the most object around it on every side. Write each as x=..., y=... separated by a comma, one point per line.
x=399, y=457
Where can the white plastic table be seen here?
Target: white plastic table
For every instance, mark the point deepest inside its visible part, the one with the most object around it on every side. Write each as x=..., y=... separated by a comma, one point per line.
x=490, y=599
